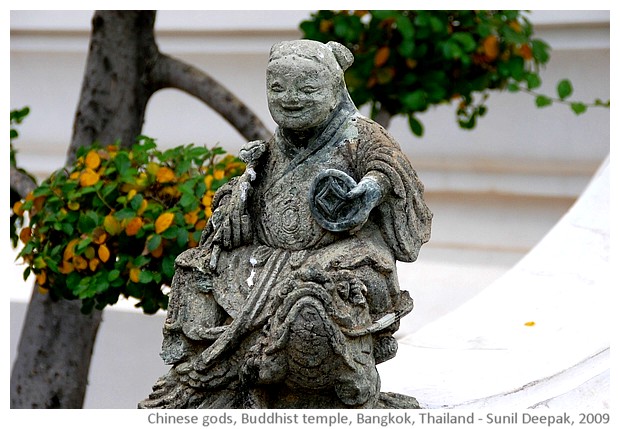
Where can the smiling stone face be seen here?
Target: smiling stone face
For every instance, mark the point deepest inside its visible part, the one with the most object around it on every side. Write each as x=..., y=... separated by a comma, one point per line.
x=301, y=93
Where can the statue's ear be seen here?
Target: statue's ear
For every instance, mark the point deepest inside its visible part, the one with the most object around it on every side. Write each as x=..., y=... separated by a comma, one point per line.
x=275, y=48
x=342, y=53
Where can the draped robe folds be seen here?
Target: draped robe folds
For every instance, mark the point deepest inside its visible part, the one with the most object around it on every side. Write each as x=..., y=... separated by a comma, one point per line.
x=264, y=263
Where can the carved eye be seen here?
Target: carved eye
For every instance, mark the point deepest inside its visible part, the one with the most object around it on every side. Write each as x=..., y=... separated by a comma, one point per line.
x=276, y=87
x=308, y=89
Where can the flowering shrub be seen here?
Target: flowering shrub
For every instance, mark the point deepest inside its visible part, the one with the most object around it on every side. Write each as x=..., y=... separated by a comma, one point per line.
x=409, y=60
x=114, y=223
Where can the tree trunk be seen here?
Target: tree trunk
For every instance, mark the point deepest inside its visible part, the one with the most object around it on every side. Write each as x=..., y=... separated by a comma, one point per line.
x=54, y=354
x=57, y=340
x=115, y=89
x=383, y=117
x=122, y=72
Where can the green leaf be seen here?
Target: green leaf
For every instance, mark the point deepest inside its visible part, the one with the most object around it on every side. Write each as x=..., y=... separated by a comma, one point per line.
x=86, y=223
x=384, y=14
x=533, y=80
x=122, y=162
x=141, y=261
x=452, y=50
x=26, y=273
x=565, y=89
x=466, y=40
x=182, y=237
x=136, y=201
x=578, y=108
x=82, y=245
x=146, y=276
x=167, y=266
x=113, y=275
x=415, y=101
x=171, y=232
x=153, y=242
x=540, y=51
x=187, y=200
x=543, y=101
x=405, y=27
x=126, y=213
x=415, y=126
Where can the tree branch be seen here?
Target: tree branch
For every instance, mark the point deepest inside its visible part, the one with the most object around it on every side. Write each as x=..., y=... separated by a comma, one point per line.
x=21, y=182
x=169, y=72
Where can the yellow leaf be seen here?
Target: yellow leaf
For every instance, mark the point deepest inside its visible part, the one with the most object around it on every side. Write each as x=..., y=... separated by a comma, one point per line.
x=93, y=264
x=142, y=207
x=88, y=177
x=133, y=226
x=41, y=278
x=25, y=234
x=73, y=205
x=218, y=174
x=37, y=205
x=530, y=323
x=99, y=235
x=75, y=175
x=66, y=268
x=325, y=25
x=170, y=191
x=104, y=253
x=132, y=193
x=134, y=275
x=89, y=252
x=526, y=52
x=200, y=224
x=18, y=208
x=152, y=168
x=163, y=222
x=207, y=200
x=165, y=175
x=112, y=225
x=208, y=180
x=68, y=253
x=382, y=55
x=127, y=187
x=490, y=47
x=92, y=160
x=191, y=217
x=79, y=263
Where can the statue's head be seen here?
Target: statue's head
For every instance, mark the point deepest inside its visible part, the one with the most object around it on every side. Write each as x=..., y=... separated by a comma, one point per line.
x=305, y=82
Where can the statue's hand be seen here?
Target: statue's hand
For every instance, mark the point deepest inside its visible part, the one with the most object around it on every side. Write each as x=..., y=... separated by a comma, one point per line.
x=369, y=190
x=252, y=151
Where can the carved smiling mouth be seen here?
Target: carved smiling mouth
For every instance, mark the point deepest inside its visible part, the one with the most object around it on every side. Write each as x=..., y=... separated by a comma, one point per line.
x=294, y=110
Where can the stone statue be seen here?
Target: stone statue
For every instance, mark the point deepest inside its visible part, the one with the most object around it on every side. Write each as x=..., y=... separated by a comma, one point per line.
x=292, y=297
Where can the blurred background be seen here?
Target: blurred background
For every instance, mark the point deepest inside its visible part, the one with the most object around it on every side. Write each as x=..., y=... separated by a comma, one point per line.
x=495, y=191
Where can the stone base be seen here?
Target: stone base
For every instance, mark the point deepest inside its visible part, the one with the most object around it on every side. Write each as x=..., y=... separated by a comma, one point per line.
x=389, y=400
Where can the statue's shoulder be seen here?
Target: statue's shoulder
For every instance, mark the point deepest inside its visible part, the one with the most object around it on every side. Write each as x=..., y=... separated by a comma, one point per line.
x=371, y=131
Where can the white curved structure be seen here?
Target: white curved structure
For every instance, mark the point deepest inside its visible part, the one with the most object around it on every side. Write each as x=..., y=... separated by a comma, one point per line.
x=539, y=336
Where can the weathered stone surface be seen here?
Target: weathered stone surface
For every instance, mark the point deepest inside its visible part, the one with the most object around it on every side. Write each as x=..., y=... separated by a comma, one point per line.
x=291, y=299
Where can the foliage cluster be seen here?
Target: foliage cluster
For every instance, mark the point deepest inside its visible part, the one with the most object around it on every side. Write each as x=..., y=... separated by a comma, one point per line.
x=114, y=222
x=409, y=60
x=17, y=116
